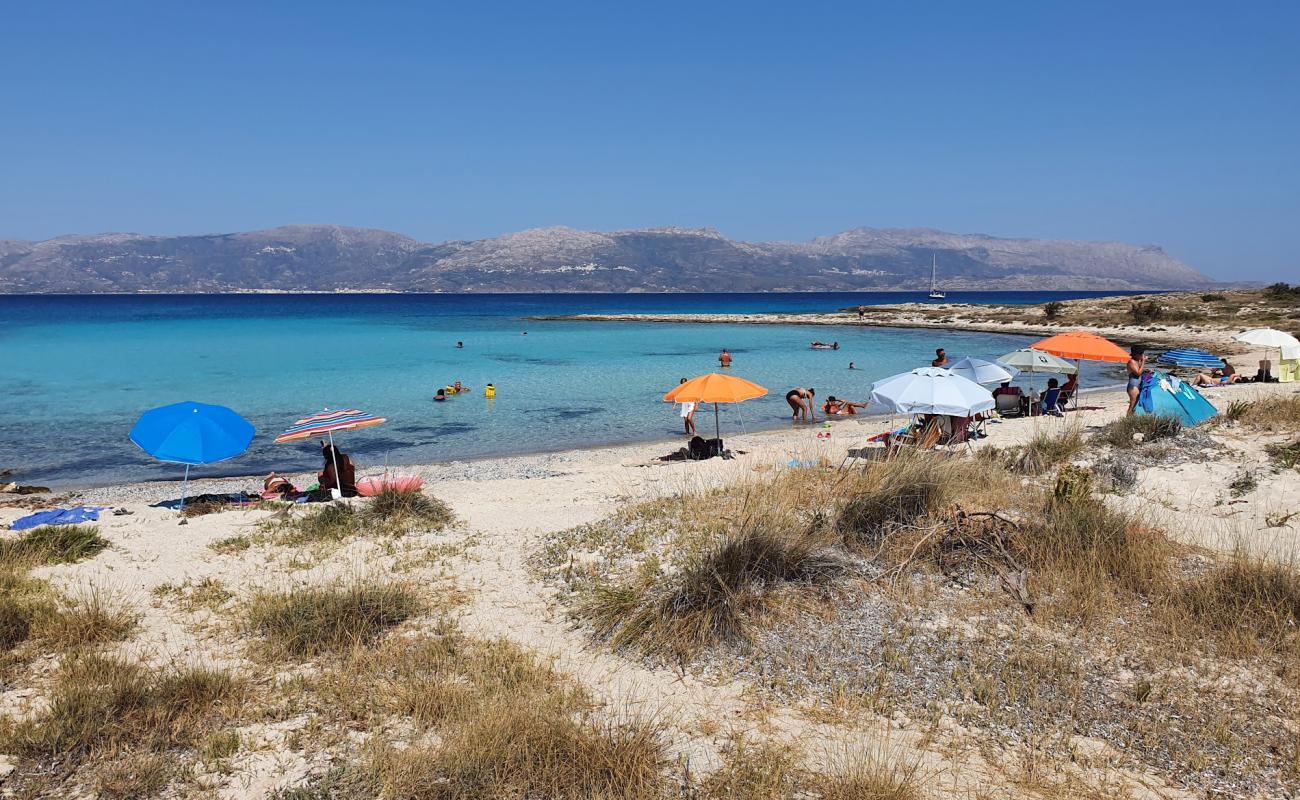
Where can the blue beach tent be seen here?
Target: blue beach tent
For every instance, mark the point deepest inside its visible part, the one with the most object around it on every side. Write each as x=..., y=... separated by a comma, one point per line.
x=1164, y=395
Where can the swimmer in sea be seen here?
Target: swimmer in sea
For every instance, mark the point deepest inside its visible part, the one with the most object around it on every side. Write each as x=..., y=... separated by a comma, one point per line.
x=460, y=345
x=851, y=365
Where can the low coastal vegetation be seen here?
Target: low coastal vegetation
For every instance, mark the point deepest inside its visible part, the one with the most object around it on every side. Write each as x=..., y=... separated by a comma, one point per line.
x=391, y=513
x=1275, y=306
x=1006, y=594
x=309, y=621
x=63, y=544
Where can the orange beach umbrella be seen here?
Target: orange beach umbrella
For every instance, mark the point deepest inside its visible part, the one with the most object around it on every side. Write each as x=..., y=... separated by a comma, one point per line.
x=715, y=388
x=1082, y=345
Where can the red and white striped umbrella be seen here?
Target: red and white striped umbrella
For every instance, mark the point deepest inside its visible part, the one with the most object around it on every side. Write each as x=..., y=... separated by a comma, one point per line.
x=326, y=422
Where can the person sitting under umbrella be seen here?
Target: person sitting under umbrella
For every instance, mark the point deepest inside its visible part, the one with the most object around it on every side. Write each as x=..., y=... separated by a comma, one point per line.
x=345, y=480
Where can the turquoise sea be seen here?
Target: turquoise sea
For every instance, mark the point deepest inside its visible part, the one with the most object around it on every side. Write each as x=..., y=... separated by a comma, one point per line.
x=77, y=371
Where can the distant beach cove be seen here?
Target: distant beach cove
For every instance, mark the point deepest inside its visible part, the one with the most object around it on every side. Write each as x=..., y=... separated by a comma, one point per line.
x=80, y=369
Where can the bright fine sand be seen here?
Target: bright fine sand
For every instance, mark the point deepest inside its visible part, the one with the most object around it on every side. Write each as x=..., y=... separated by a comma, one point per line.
x=506, y=505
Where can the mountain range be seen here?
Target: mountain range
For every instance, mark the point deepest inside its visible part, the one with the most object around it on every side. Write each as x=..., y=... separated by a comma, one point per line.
x=336, y=258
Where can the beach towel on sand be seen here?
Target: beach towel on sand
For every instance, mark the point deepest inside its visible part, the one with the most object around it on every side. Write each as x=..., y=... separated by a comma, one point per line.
x=57, y=516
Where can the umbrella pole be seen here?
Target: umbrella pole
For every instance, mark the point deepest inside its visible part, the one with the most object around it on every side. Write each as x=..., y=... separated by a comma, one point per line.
x=337, y=492
x=185, y=486
x=717, y=425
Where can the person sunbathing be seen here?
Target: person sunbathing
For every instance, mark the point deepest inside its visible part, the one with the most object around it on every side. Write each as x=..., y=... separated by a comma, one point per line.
x=838, y=408
x=1218, y=377
x=278, y=487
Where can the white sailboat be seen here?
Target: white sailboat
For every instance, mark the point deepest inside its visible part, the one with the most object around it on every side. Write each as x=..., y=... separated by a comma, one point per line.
x=935, y=294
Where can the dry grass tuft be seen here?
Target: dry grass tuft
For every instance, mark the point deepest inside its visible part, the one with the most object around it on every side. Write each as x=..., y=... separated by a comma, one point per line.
x=333, y=522
x=390, y=513
x=103, y=703
x=1046, y=450
x=411, y=509
x=1274, y=414
x=134, y=775
x=716, y=595
x=516, y=750
x=778, y=772
x=1247, y=598
x=898, y=493
x=1086, y=551
x=314, y=620
x=1120, y=433
x=51, y=544
x=862, y=775
x=89, y=617
x=23, y=602
x=509, y=726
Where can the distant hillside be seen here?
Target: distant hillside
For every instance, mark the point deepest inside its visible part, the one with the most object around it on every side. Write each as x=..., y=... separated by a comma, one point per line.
x=330, y=257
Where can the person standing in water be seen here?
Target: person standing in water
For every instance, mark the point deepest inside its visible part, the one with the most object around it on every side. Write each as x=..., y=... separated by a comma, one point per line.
x=801, y=401
x=940, y=359
x=724, y=358
x=1137, y=362
x=851, y=365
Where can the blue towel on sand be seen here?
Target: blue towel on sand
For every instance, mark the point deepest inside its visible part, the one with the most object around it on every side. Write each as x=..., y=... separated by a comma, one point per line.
x=58, y=516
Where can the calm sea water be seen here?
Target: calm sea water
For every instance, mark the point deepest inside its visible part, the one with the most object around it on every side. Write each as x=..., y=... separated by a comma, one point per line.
x=77, y=371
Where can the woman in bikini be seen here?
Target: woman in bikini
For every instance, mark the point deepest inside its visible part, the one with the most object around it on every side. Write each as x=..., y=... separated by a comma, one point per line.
x=801, y=400
x=1137, y=362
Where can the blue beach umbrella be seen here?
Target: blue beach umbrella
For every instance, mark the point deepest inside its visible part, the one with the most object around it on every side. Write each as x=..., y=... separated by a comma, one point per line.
x=192, y=433
x=1190, y=357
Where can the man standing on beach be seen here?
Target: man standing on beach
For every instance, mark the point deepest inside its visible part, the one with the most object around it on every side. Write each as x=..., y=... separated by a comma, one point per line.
x=724, y=358
x=862, y=312
x=940, y=359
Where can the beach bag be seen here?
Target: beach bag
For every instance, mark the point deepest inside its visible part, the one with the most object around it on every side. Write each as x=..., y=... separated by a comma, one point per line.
x=701, y=448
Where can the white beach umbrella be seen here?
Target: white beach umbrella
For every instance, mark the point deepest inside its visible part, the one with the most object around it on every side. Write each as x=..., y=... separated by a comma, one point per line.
x=1029, y=360
x=931, y=390
x=1270, y=338
x=981, y=371
x=1267, y=337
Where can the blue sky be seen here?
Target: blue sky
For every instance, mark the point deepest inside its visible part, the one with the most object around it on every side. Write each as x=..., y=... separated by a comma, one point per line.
x=1167, y=123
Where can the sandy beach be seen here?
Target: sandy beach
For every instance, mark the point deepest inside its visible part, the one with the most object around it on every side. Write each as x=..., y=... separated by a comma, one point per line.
x=506, y=508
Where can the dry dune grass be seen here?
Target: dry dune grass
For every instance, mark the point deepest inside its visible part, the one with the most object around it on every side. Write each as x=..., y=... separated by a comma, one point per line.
x=1127, y=432
x=308, y=621
x=507, y=725
x=389, y=513
x=1275, y=414
x=101, y=704
x=945, y=540
x=766, y=771
x=62, y=544
x=1248, y=602
x=716, y=594
x=30, y=609
x=88, y=616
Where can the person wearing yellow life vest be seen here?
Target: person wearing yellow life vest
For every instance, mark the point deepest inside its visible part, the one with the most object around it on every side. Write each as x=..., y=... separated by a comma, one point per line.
x=489, y=391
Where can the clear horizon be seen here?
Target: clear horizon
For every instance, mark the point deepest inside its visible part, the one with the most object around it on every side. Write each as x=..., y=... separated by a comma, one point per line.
x=1167, y=123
